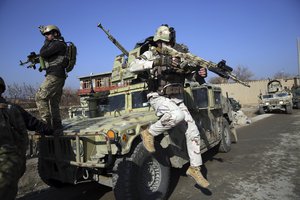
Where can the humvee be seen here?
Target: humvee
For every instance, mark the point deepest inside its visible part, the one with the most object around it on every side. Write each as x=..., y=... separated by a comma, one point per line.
x=275, y=99
x=108, y=149
x=101, y=141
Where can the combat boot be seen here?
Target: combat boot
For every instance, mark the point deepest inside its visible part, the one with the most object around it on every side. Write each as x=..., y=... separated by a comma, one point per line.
x=148, y=140
x=196, y=174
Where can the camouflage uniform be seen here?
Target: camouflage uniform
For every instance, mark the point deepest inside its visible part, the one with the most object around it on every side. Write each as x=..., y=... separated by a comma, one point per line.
x=49, y=95
x=13, y=144
x=48, y=98
x=170, y=109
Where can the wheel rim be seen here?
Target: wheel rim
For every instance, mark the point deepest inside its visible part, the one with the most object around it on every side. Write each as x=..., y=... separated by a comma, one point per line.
x=150, y=175
x=226, y=136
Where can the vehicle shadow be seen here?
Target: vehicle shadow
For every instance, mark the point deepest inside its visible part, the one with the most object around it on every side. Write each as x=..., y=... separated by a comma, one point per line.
x=89, y=191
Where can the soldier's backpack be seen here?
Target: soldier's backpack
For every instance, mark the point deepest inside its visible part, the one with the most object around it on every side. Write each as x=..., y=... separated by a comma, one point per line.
x=71, y=56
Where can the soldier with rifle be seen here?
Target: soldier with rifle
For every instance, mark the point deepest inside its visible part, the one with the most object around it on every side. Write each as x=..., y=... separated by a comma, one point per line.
x=165, y=84
x=53, y=60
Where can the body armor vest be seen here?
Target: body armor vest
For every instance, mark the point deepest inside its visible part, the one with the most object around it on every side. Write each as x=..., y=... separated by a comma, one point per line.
x=165, y=81
x=59, y=60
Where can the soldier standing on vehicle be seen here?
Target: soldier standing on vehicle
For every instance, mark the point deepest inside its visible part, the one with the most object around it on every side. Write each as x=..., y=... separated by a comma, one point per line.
x=165, y=86
x=49, y=94
x=14, y=122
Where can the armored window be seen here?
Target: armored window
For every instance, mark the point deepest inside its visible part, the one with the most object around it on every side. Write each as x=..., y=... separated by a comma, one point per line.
x=217, y=95
x=267, y=96
x=282, y=94
x=116, y=102
x=200, y=97
x=139, y=99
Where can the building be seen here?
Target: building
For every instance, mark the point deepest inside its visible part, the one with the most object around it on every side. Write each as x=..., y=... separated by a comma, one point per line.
x=97, y=83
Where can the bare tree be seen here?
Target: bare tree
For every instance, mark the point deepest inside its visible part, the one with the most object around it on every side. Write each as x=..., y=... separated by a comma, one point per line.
x=217, y=80
x=70, y=97
x=281, y=75
x=243, y=73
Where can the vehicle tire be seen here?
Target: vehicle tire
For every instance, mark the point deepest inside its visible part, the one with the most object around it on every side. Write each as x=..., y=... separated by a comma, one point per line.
x=42, y=164
x=288, y=109
x=298, y=105
x=261, y=110
x=142, y=176
x=225, y=144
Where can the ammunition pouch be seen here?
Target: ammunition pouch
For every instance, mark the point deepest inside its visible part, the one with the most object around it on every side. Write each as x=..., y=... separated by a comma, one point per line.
x=60, y=60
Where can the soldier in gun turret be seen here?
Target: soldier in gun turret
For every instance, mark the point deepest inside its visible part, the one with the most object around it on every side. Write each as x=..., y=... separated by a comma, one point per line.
x=49, y=94
x=165, y=83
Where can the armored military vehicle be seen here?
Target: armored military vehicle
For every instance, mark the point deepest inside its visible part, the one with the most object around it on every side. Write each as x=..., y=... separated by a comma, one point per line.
x=108, y=149
x=101, y=141
x=296, y=93
x=275, y=99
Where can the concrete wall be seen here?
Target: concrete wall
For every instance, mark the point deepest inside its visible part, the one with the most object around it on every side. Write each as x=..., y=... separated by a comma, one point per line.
x=247, y=95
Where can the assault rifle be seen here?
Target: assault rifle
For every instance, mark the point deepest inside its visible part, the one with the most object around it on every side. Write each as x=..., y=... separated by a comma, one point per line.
x=221, y=68
x=111, y=38
x=32, y=59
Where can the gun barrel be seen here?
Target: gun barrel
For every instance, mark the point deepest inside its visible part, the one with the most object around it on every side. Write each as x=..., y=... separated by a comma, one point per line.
x=111, y=38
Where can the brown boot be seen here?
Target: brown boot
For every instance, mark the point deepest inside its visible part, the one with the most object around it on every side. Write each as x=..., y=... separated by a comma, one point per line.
x=148, y=140
x=195, y=173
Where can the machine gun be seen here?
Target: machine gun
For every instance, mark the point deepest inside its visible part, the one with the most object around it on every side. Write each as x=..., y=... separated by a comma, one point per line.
x=221, y=68
x=33, y=59
x=111, y=38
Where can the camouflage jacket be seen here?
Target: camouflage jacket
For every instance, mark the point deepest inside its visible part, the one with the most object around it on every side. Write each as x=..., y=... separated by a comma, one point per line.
x=54, y=53
x=18, y=120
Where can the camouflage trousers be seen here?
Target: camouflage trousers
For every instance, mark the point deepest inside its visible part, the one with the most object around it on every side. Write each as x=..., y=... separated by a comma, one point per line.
x=172, y=111
x=12, y=167
x=48, y=98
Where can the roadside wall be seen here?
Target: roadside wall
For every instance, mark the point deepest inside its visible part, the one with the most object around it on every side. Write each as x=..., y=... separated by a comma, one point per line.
x=250, y=95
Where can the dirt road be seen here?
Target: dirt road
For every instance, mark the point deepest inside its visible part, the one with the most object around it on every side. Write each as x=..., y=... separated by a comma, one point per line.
x=265, y=164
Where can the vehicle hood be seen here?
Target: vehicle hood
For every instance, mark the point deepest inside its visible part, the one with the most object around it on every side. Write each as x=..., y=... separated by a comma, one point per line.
x=119, y=123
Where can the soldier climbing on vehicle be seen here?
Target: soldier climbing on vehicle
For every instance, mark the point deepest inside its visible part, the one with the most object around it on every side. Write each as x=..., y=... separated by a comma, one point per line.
x=165, y=85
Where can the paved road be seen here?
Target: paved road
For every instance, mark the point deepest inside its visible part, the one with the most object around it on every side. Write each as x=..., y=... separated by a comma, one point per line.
x=265, y=164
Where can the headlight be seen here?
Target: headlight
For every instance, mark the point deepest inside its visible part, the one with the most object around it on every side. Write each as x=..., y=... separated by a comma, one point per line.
x=112, y=135
x=267, y=103
x=280, y=102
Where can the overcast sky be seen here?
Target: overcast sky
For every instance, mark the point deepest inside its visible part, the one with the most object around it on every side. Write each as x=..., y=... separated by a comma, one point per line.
x=258, y=34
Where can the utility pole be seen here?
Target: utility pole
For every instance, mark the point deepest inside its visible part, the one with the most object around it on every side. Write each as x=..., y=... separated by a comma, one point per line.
x=298, y=47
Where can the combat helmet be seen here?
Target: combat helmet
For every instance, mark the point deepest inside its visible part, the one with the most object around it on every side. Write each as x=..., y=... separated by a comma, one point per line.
x=166, y=34
x=49, y=28
x=2, y=85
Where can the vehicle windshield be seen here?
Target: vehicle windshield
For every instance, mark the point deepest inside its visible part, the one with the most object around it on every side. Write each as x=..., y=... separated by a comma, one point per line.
x=116, y=102
x=282, y=94
x=267, y=96
x=139, y=99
